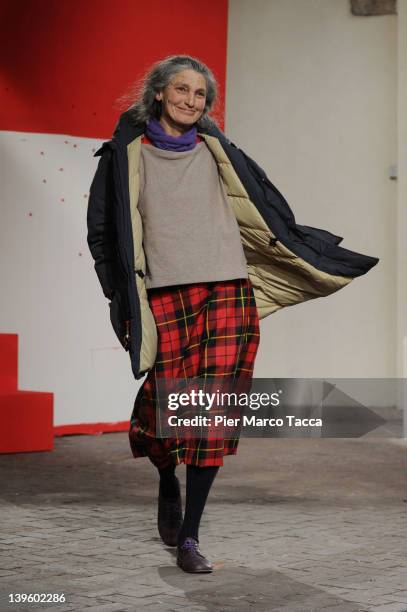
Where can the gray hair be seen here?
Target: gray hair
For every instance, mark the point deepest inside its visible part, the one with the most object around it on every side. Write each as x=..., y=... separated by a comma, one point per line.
x=159, y=76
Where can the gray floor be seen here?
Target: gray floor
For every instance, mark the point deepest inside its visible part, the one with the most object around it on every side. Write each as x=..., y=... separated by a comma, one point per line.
x=290, y=525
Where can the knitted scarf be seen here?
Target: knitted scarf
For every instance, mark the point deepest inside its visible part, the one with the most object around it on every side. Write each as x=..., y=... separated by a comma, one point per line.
x=159, y=137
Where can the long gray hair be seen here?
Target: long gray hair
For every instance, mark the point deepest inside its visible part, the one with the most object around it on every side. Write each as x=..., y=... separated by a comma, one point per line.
x=159, y=76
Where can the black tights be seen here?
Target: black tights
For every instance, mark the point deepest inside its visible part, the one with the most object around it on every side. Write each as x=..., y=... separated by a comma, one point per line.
x=199, y=482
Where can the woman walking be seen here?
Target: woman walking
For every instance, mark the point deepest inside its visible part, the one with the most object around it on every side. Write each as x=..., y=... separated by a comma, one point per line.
x=177, y=254
x=198, y=288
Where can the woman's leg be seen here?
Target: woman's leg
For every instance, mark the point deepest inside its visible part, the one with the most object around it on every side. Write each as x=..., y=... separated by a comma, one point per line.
x=169, y=518
x=199, y=482
x=169, y=483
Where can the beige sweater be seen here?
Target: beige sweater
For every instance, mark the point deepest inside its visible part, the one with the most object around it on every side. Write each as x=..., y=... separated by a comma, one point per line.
x=190, y=233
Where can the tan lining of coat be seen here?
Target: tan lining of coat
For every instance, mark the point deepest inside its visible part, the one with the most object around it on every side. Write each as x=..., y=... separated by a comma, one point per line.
x=273, y=270
x=279, y=277
x=149, y=340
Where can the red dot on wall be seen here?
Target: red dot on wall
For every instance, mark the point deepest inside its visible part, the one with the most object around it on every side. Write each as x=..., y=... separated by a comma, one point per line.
x=61, y=169
x=44, y=180
x=30, y=214
x=62, y=199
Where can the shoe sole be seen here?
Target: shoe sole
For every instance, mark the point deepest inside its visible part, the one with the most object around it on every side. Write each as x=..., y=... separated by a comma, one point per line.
x=201, y=571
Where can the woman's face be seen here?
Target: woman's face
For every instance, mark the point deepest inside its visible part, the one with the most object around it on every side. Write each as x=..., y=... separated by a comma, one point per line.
x=183, y=100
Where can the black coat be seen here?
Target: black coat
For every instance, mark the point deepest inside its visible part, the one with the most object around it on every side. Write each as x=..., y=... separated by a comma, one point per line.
x=309, y=255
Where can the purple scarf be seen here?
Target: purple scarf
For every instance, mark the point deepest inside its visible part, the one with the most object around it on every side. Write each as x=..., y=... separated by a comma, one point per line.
x=159, y=137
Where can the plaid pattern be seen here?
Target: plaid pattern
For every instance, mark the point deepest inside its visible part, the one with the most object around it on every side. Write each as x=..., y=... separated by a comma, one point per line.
x=205, y=330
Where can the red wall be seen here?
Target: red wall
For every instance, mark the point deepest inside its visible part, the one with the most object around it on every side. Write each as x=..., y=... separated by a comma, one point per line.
x=65, y=62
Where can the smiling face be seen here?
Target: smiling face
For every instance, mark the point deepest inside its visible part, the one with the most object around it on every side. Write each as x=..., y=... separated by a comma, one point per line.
x=183, y=101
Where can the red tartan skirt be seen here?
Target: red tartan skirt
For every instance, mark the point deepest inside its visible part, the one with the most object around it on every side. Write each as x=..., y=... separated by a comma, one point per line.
x=204, y=330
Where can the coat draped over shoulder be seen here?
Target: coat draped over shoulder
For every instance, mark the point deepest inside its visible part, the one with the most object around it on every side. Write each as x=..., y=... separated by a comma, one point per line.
x=287, y=263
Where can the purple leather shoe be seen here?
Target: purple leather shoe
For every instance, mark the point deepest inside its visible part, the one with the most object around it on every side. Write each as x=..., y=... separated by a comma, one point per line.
x=169, y=519
x=190, y=559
